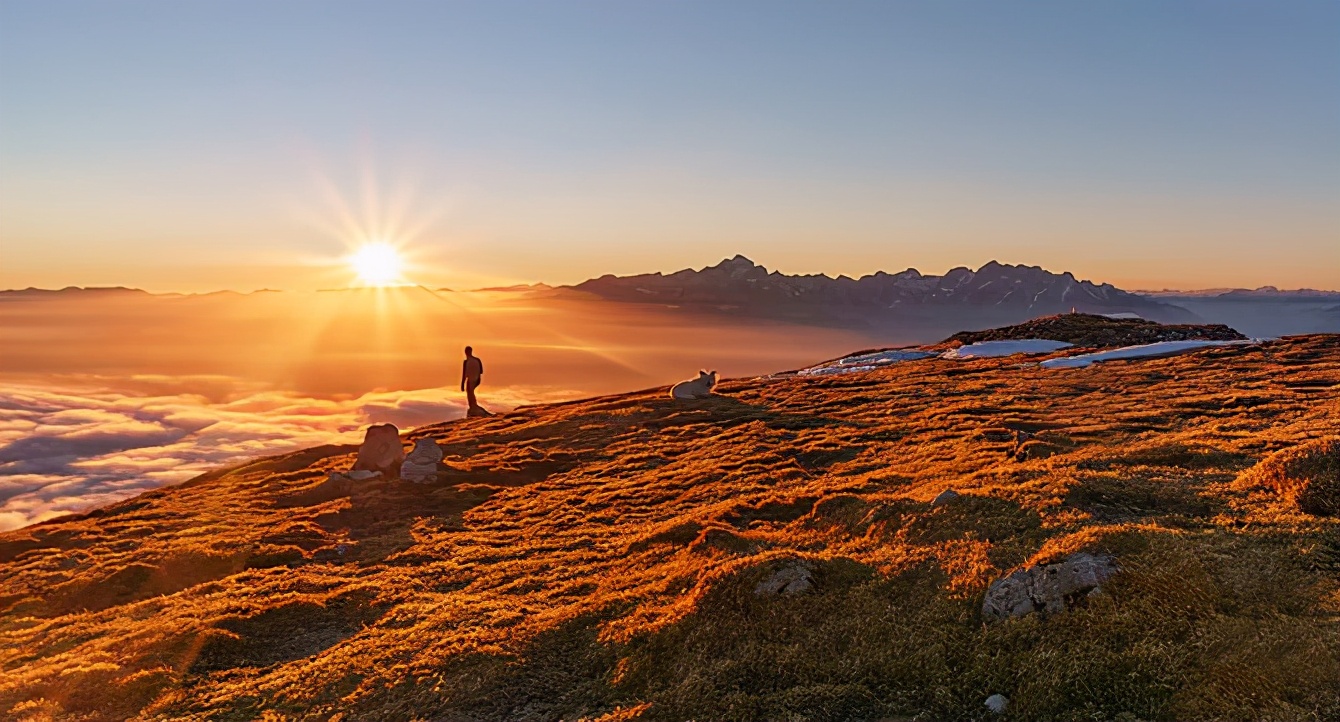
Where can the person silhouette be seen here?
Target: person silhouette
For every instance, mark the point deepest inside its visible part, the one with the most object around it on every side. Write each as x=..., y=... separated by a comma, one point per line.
x=472, y=373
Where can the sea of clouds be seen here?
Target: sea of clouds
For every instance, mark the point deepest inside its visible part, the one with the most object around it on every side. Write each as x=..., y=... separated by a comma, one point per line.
x=84, y=443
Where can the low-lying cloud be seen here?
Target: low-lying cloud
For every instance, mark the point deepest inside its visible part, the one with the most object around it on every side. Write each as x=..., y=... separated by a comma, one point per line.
x=90, y=442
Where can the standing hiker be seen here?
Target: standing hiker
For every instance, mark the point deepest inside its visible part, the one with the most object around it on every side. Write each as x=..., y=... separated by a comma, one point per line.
x=472, y=372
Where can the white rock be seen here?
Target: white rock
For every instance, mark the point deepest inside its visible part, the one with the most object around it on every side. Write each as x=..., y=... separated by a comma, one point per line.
x=421, y=466
x=997, y=703
x=362, y=474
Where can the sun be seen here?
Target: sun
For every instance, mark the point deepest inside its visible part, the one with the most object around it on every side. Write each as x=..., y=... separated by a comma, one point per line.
x=377, y=264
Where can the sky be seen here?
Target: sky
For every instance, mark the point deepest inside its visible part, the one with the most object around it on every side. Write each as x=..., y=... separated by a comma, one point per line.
x=195, y=146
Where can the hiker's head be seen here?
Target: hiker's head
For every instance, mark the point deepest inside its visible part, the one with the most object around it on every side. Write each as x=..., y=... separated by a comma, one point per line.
x=469, y=350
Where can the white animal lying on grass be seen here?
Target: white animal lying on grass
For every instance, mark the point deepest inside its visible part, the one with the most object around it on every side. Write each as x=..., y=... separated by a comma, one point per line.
x=699, y=388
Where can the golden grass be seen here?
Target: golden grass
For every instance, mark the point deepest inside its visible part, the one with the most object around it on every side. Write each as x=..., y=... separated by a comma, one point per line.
x=598, y=559
x=1307, y=474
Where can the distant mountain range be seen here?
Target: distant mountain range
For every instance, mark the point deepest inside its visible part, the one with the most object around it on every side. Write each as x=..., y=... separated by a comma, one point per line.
x=907, y=305
x=1264, y=293
x=992, y=294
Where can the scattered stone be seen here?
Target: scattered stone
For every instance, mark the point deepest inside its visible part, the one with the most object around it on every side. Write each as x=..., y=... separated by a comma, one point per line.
x=362, y=474
x=997, y=703
x=381, y=450
x=423, y=462
x=794, y=578
x=1047, y=588
x=944, y=497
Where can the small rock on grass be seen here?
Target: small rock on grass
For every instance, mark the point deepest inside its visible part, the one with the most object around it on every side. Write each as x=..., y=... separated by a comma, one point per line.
x=997, y=703
x=1047, y=588
x=944, y=497
x=794, y=578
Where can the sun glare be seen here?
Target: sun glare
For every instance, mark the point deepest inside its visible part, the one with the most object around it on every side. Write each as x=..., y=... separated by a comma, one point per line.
x=377, y=264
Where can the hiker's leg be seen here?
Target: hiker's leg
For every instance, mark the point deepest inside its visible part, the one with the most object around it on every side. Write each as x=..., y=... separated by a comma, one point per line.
x=470, y=394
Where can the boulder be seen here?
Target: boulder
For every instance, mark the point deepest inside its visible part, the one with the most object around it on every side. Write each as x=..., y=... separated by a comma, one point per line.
x=944, y=497
x=381, y=450
x=1047, y=588
x=423, y=462
x=997, y=703
x=794, y=578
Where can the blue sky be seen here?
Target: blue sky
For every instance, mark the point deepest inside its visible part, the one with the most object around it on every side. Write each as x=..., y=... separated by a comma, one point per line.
x=199, y=145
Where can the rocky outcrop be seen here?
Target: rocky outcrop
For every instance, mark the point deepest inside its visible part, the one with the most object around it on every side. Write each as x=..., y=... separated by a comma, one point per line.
x=381, y=450
x=1097, y=331
x=423, y=462
x=1047, y=588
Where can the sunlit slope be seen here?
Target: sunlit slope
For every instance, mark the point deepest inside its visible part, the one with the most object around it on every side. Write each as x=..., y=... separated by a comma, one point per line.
x=602, y=557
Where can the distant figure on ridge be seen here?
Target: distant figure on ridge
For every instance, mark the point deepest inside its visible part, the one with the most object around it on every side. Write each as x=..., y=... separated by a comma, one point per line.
x=699, y=388
x=472, y=373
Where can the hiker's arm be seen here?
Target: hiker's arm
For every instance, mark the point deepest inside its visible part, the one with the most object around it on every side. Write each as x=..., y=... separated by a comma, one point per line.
x=464, y=366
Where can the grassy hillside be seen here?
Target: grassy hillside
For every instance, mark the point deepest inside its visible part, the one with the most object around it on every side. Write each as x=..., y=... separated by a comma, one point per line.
x=603, y=559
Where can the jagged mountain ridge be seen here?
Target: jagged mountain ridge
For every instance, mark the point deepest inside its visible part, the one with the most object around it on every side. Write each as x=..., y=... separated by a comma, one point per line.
x=739, y=283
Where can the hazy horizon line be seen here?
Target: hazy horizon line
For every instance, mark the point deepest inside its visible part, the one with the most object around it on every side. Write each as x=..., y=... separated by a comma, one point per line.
x=542, y=284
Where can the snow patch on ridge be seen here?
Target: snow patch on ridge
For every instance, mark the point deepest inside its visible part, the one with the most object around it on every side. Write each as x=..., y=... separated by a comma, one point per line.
x=993, y=349
x=1149, y=350
x=865, y=362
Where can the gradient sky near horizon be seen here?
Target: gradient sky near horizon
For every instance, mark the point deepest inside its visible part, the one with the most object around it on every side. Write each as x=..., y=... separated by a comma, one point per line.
x=194, y=146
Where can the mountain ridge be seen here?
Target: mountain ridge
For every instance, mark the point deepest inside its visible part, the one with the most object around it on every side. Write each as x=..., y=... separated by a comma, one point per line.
x=1014, y=291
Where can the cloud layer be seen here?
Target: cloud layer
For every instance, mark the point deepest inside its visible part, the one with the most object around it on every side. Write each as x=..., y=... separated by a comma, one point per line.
x=91, y=442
